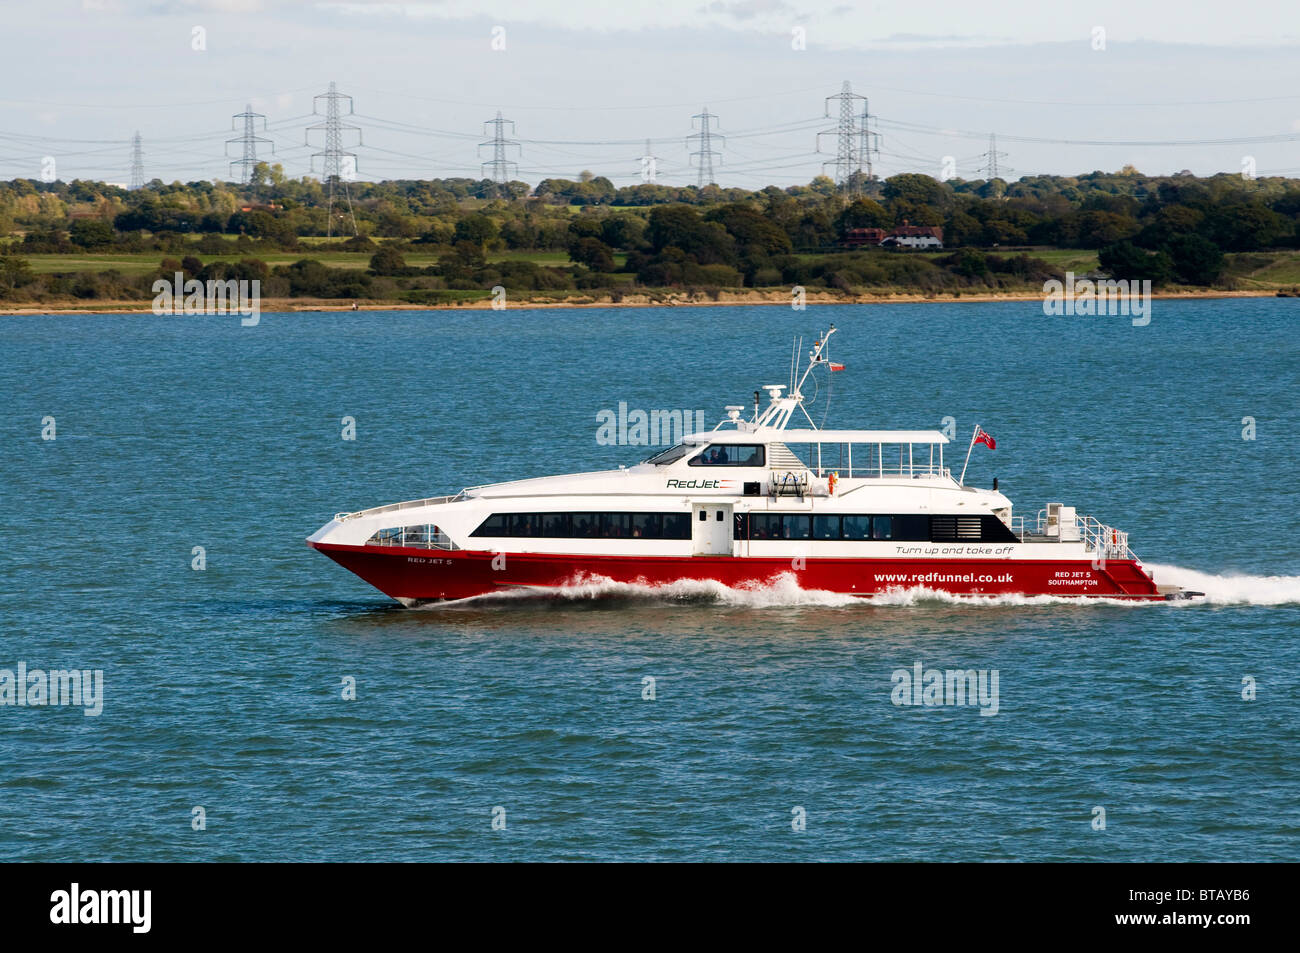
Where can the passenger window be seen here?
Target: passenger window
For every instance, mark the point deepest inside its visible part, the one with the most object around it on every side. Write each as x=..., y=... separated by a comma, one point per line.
x=857, y=527
x=797, y=527
x=647, y=525
x=882, y=527
x=676, y=526
x=524, y=524
x=614, y=525
x=826, y=527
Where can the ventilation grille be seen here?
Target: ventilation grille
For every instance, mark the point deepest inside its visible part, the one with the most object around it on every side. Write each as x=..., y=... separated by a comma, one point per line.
x=951, y=529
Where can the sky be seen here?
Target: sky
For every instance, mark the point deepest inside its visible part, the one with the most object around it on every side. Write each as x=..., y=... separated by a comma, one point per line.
x=1067, y=87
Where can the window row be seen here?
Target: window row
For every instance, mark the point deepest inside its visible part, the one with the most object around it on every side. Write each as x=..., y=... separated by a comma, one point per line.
x=588, y=525
x=760, y=526
x=910, y=528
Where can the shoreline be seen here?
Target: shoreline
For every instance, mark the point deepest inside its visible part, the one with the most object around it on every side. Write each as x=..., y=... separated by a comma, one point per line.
x=672, y=300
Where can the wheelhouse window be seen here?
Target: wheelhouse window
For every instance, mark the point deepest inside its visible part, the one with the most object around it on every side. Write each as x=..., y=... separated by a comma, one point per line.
x=730, y=455
x=671, y=455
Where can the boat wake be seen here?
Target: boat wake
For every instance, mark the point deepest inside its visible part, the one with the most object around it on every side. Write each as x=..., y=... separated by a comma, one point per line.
x=1230, y=589
x=785, y=592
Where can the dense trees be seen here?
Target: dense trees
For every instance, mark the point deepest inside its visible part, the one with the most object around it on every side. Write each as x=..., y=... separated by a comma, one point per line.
x=1169, y=229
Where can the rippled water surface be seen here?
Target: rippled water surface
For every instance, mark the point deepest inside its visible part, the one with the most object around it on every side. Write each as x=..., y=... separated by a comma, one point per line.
x=222, y=688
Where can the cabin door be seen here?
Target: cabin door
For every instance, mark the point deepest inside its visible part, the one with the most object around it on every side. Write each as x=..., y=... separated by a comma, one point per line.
x=711, y=529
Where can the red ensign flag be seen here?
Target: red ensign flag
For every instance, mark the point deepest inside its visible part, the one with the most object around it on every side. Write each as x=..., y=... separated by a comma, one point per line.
x=984, y=438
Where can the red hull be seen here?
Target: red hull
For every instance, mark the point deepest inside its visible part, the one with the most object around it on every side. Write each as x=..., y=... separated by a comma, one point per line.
x=424, y=574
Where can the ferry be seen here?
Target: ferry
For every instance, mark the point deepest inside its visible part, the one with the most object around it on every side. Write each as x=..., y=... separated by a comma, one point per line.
x=758, y=497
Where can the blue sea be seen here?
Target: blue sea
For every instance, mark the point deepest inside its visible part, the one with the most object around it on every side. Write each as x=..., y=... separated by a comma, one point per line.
x=772, y=733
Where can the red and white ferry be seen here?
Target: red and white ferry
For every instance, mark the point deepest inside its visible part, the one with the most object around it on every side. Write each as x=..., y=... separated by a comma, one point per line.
x=859, y=512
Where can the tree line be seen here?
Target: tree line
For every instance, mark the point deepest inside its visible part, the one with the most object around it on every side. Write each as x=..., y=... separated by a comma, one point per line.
x=1175, y=228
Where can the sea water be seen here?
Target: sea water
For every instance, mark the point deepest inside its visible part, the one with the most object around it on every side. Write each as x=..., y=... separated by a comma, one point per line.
x=261, y=703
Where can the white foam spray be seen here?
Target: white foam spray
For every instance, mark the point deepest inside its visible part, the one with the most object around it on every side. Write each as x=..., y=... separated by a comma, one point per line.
x=1230, y=588
x=784, y=591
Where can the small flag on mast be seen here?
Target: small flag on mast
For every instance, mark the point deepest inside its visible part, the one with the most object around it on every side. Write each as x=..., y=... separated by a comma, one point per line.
x=985, y=438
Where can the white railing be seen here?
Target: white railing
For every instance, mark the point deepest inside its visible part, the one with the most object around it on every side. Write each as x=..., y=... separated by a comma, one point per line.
x=890, y=472
x=394, y=507
x=1096, y=535
x=1104, y=539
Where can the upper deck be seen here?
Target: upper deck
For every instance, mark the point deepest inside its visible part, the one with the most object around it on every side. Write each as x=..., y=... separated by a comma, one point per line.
x=850, y=454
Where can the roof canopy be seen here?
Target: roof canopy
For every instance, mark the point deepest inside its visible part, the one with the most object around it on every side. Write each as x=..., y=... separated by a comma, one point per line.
x=772, y=435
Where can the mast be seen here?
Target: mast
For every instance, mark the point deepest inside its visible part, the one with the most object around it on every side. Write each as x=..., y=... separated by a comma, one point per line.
x=780, y=409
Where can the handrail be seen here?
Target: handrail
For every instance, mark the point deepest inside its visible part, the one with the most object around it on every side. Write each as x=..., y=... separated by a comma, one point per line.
x=876, y=473
x=394, y=507
x=1096, y=536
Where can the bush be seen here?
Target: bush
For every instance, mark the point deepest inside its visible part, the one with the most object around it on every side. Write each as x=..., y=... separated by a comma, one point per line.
x=91, y=233
x=1125, y=261
x=387, y=261
x=1196, y=260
